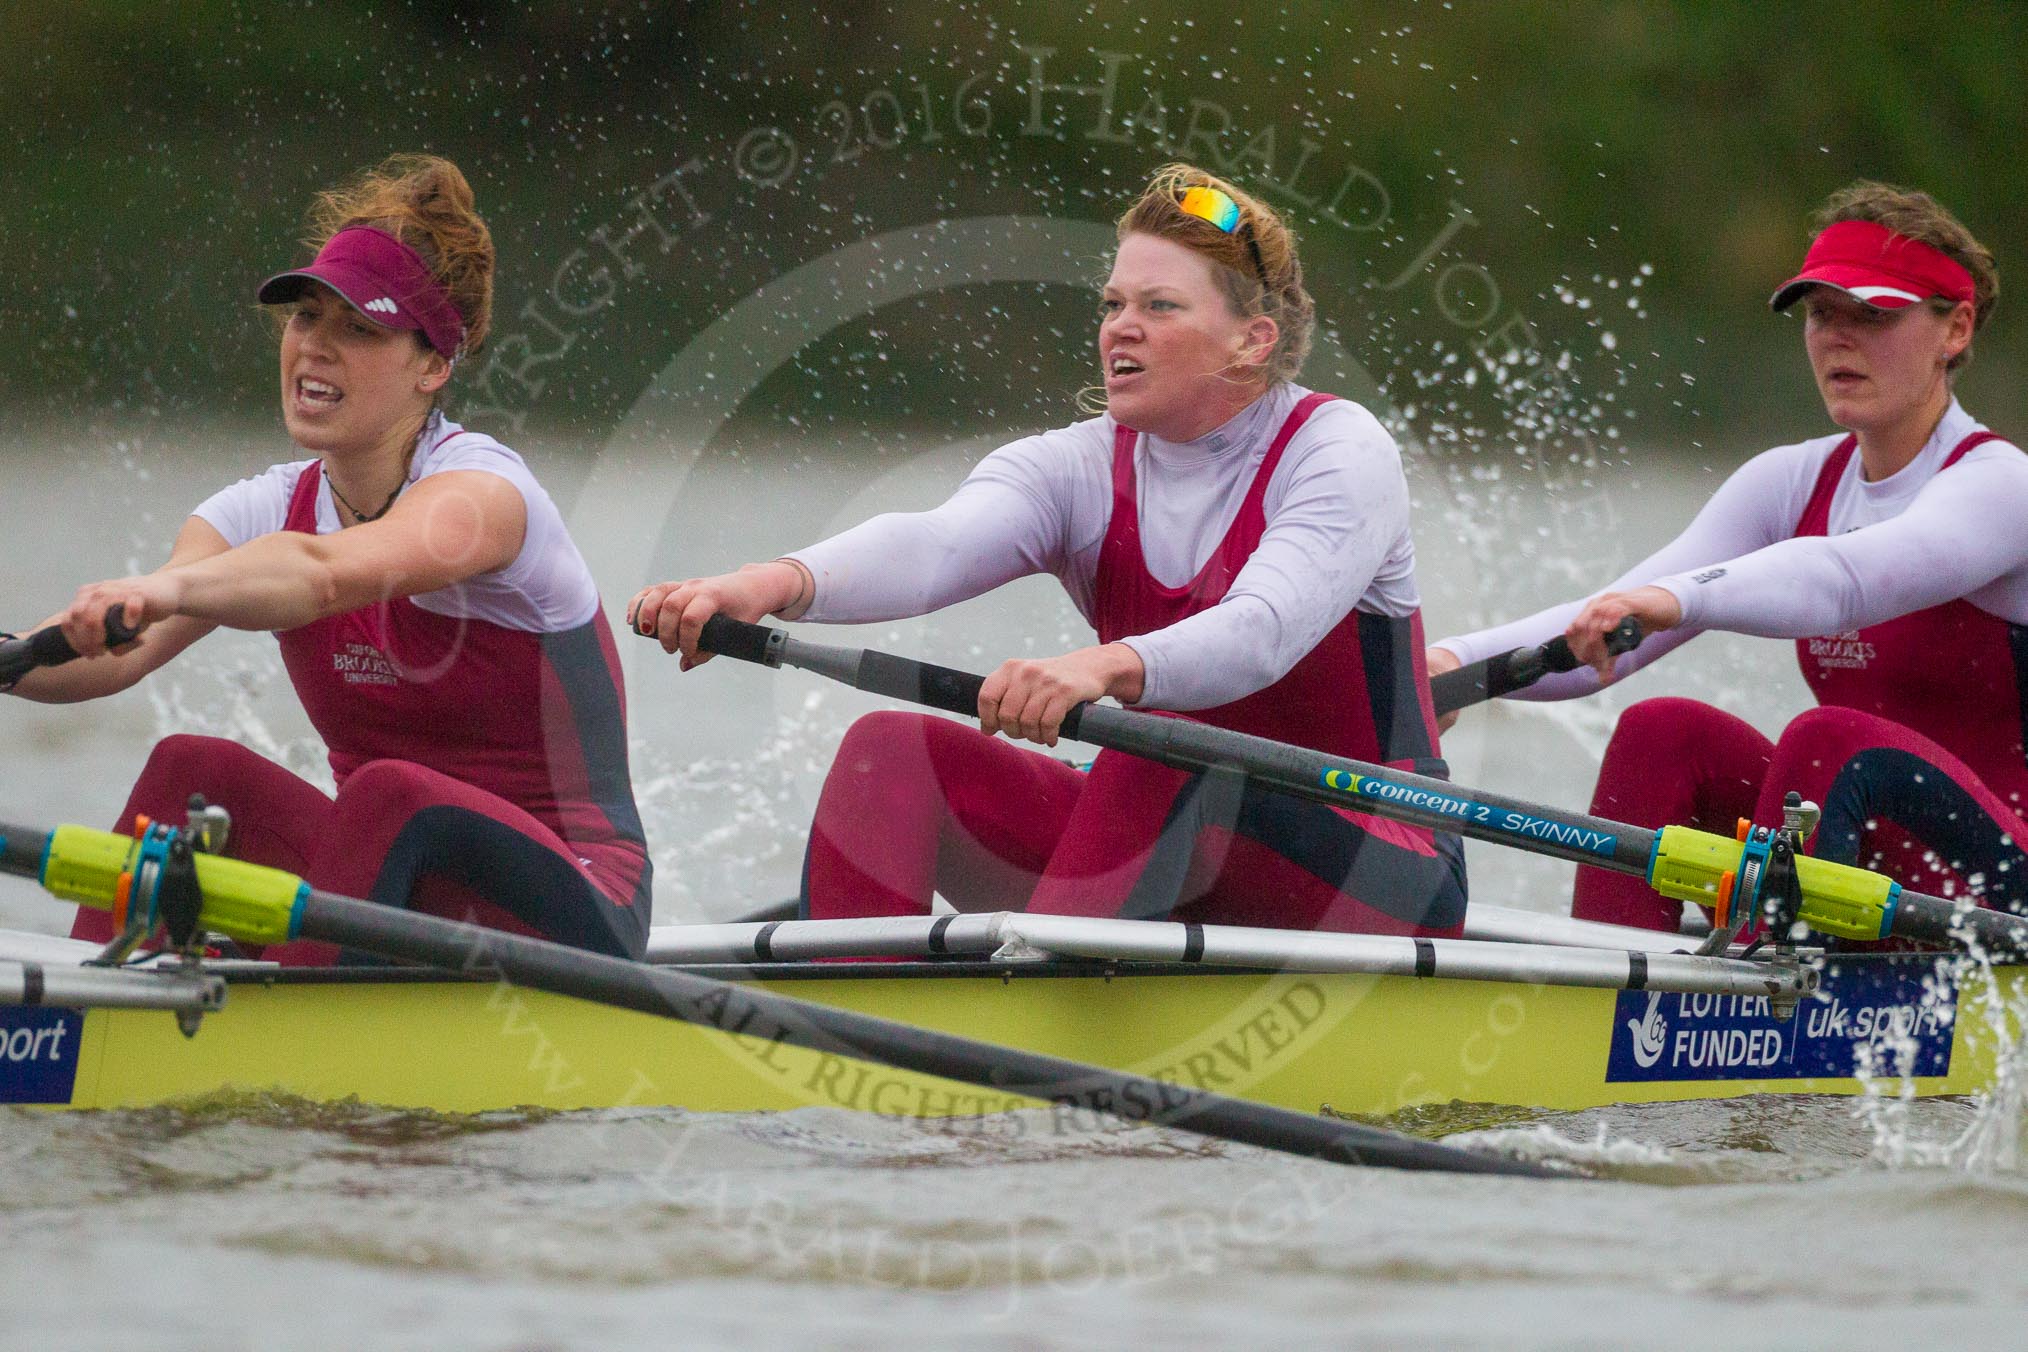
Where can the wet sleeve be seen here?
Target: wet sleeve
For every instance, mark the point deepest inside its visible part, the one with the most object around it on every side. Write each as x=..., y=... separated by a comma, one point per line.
x=1757, y=505
x=1013, y=515
x=1961, y=531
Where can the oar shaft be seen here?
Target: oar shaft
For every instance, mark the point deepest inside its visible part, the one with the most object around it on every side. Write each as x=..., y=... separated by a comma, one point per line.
x=1186, y=745
x=1420, y=800
x=1941, y=920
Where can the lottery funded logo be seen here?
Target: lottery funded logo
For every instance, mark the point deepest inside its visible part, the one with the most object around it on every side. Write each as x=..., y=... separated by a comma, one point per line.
x=1861, y=1009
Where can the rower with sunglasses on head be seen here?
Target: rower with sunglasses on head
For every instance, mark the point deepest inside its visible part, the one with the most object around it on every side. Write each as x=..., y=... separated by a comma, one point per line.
x=1893, y=552
x=435, y=618
x=1240, y=544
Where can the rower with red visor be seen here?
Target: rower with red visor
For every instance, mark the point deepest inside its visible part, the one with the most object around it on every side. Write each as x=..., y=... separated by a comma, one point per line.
x=1240, y=545
x=440, y=627
x=1892, y=552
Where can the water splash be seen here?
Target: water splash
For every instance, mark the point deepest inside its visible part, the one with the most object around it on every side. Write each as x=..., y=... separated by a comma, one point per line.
x=727, y=828
x=1993, y=1022
x=221, y=694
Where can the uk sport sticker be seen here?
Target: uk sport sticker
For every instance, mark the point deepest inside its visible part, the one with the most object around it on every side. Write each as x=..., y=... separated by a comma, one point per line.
x=1881, y=1005
x=38, y=1053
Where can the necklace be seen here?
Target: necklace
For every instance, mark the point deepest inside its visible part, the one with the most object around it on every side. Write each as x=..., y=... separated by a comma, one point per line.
x=362, y=516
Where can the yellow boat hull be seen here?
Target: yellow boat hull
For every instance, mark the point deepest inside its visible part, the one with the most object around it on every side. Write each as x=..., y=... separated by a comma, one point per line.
x=1359, y=1044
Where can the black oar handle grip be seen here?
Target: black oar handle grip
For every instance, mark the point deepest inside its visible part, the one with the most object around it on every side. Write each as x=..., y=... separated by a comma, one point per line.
x=1623, y=637
x=877, y=673
x=924, y=683
x=47, y=647
x=737, y=639
x=937, y=687
x=1517, y=670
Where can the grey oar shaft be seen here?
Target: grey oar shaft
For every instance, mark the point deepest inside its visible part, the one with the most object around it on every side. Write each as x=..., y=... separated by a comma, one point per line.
x=1186, y=745
x=1401, y=795
x=34, y=983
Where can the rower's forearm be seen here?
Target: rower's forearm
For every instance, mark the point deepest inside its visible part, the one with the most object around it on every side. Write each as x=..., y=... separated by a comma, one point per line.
x=276, y=582
x=1222, y=653
x=903, y=564
x=94, y=678
x=1496, y=640
x=76, y=682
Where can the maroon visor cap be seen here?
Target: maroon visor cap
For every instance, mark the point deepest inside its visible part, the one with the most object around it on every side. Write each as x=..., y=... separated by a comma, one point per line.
x=382, y=278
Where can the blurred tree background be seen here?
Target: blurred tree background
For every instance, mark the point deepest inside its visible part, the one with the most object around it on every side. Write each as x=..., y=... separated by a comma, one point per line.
x=1617, y=184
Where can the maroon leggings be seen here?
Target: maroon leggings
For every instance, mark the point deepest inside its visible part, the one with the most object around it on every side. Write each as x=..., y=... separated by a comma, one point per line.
x=1893, y=800
x=398, y=833
x=916, y=804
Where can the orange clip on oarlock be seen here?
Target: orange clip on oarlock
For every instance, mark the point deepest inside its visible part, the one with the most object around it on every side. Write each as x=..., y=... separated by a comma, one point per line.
x=1722, y=911
x=123, y=890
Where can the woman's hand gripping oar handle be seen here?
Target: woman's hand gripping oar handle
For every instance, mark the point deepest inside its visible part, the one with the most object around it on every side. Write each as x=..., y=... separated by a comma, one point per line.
x=47, y=647
x=1517, y=670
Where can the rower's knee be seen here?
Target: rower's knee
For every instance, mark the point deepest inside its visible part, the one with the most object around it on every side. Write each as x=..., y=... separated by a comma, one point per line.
x=183, y=764
x=1818, y=742
x=892, y=747
x=186, y=758
x=1667, y=729
x=390, y=791
x=873, y=737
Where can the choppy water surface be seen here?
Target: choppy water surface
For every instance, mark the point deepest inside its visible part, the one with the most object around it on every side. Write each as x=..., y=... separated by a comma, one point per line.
x=254, y=1223
x=257, y=1224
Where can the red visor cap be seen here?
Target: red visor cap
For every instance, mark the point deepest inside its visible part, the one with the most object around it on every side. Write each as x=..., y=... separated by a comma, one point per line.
x=382, y=278
x=1871, y=263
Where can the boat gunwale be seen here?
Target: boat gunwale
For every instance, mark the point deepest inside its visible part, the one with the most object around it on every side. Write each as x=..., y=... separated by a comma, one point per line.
x=974, y=968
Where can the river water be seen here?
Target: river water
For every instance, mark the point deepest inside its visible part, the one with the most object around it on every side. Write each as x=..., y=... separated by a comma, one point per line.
x=276, y=1224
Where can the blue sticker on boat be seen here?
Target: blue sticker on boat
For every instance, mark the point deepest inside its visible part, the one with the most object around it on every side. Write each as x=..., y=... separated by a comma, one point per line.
x=1506, y=821
x=1878, y=1005
x=38, y=1053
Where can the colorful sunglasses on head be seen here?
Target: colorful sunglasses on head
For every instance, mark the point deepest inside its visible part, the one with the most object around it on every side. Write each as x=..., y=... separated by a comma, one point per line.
x=1216, y=207
x=1209, y=204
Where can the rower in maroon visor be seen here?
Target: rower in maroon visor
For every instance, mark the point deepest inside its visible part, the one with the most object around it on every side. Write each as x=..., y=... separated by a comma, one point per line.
x=435, y=619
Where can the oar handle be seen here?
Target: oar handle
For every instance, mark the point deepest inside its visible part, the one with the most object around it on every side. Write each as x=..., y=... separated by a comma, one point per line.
x=877, y=673
x=47, y=647
x=1517, y=670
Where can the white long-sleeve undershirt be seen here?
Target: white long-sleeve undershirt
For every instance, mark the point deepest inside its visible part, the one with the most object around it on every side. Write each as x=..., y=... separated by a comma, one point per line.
x=1337, y=538
x=1915, y=539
